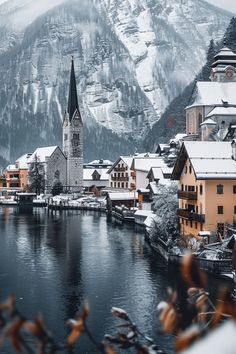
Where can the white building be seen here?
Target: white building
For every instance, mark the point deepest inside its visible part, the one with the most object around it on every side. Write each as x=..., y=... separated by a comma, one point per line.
x=215, y=100
x=54, y=165
x=141, y=166
x=120, y=174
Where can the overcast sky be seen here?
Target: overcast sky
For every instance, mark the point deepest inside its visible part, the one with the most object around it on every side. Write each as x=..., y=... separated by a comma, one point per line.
x=229, y=5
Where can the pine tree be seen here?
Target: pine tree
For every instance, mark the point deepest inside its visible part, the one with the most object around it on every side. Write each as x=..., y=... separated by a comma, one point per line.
x=37, y=176
x=230, y=35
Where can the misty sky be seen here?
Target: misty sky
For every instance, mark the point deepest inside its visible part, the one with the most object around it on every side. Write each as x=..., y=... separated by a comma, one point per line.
x=229, y=5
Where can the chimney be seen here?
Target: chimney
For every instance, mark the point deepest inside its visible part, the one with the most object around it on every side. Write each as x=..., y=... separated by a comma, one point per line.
x=233, y=144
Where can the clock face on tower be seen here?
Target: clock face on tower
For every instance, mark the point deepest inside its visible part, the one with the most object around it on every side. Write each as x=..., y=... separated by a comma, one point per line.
x=229, y=74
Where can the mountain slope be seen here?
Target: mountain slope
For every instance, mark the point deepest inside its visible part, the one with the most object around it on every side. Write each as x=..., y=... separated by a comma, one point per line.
x=132, y=57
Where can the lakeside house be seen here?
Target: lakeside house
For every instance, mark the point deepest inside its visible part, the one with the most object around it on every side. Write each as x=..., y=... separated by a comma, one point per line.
x=122, y=199
x=120, y=173
x=95, y=176
x=206, y=172
x=15, y=176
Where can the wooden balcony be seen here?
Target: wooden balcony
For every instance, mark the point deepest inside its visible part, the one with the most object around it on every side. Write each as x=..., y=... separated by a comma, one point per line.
x=186, y=214
x=187, y=195
x=133, y=174
x=120, y=179
x=120, y=169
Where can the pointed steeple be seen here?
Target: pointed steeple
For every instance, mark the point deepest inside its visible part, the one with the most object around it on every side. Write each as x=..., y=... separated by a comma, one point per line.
x=73, y=98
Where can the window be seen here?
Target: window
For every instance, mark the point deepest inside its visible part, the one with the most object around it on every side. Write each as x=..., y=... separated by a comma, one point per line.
x=111, y=184
x=126, y=185
x=122, y=185
x=118, y=184
x=186, y=222
x=191, y=223
x=235, y=209
x=219, y=189
x=195, y=225
x=182, y=187
x=220, y=209
x=234, y=189
x=191, y=188
x=201, y=189
x=190, y=169
x=186, y=169
x=115, y=184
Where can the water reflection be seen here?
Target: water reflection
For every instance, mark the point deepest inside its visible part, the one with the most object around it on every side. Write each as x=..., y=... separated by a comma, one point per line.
x=55, y=261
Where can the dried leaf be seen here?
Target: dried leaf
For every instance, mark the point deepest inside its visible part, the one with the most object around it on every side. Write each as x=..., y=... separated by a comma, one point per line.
x=225, y=307
x=168, y=318
x=194, y=276
x=184, y=339
x=9, y=304
x=78, y=325
x=109, y=349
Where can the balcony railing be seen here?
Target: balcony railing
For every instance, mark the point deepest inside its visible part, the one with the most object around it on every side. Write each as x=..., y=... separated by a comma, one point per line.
x=122, y=179
x=187, y=195
x=120, y=169
x=183, y=213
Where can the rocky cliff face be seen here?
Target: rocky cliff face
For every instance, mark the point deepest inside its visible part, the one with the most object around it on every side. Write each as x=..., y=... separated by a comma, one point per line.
x=132, y=57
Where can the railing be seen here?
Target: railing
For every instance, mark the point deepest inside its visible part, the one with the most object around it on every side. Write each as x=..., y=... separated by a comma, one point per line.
x=122, y=179
x=120, y=169
x=183, y=213
x=187, y=195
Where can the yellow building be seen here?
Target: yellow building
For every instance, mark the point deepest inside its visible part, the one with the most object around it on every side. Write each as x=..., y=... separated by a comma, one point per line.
x=207, y=186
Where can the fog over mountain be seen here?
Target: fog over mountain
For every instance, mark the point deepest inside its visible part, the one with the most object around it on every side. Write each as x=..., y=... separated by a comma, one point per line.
x=132, y=58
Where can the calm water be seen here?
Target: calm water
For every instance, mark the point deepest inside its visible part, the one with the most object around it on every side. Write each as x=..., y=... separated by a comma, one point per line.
x=55, y=261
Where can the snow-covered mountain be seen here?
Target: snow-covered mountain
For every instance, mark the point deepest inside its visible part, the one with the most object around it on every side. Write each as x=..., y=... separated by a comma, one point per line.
x=132, y=58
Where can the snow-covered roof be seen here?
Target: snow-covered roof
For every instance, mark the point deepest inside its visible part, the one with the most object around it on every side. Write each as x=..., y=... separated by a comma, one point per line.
x=23, y=161
x=11, y=168
x=210, y=160
x=100, y=162
x=222, y=111
x=123, y=195
x=126, y=159
x=212, y=93
x=154, y=187
x=151, y=219
x=145, y=164
x=143, y=213
x=208, y=121
x=225, y=51
x=42, y=153
x=88, y=173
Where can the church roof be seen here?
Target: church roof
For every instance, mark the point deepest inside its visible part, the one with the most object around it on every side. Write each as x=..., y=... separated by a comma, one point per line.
x=208, y=121
x=73, y=98
x=214, y=93
x=42, y=153
x=225, y=57
x=223, y=111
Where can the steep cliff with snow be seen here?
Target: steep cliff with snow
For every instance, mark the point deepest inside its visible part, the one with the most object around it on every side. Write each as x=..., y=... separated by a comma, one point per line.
x=132, y=58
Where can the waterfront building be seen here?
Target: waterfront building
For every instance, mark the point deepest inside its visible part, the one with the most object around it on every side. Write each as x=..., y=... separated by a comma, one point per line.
x=51, y=164
x=73, y=138
x=206, y=172
x=120, y=174
x=141, y=166
x=123, y=199
x=214, y=101
x=156, y=176
x=15, y=176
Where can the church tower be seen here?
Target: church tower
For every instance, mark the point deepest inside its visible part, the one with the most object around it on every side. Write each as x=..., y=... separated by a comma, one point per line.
x=73, y=138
